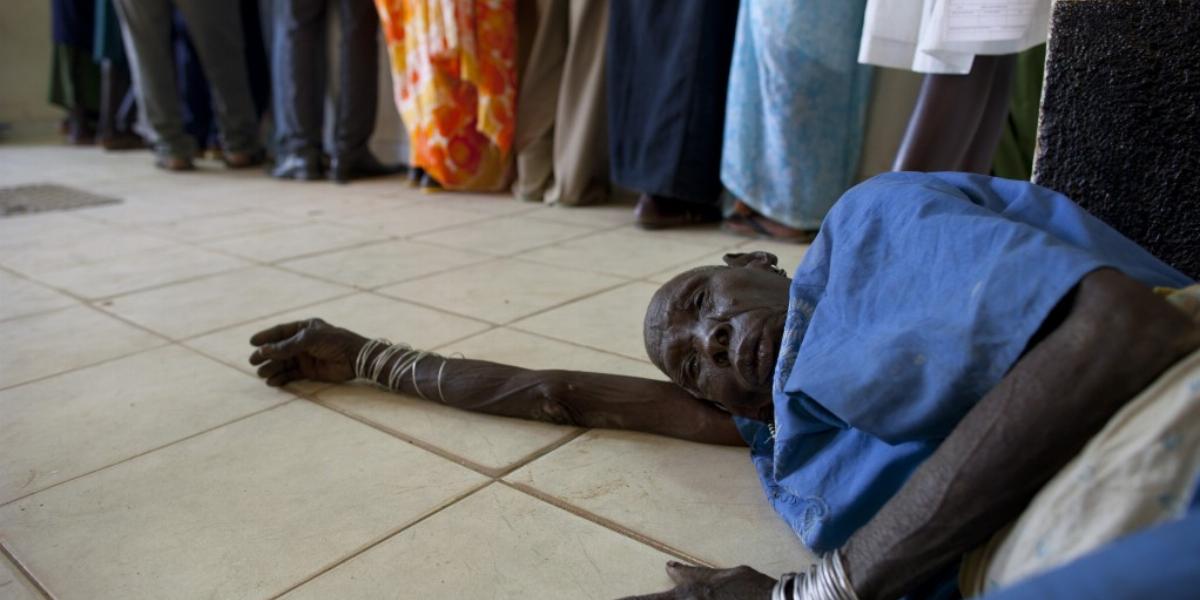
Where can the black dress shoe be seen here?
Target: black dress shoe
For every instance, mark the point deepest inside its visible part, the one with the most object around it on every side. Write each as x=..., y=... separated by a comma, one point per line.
x=294, y=166
x=343, y=169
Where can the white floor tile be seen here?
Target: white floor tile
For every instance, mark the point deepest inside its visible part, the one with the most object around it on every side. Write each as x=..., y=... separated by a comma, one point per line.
x=501, y=544
x=610, y=321
x=211, y=303
x=68, y=425
x=703, y=500
x=224, y=225
x=131, y=272
x=49, y=343
x=375, y=265
x=409, y=220
x=278, y=244
x=244, y=511
x=504, y=236
x=500, y=290
x=20, y=297
x=14, y=585
x=619, y=253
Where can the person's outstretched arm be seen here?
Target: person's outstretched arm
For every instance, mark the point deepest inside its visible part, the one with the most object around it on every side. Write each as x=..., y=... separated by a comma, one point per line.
x=318, y=351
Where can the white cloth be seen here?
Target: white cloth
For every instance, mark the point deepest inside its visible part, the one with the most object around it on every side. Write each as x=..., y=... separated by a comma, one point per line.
x=943, y=36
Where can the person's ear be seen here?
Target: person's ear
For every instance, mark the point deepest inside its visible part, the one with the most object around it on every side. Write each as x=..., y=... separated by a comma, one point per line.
x=754, y=260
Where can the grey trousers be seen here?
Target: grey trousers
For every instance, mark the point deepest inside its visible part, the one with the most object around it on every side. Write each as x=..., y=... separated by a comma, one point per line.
x=215, y=27
x=298, y=73
x=561, y=139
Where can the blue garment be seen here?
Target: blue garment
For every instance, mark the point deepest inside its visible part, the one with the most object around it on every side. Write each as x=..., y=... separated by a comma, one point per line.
x=1161, y=562
x=918, y=295
x=796, y=107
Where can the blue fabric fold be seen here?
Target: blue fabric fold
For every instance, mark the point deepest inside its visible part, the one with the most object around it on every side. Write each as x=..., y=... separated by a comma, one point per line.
x=919, y=294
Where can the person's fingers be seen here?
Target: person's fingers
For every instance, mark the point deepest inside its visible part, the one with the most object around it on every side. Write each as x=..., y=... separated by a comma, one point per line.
x=272, y=368
x=277, y=333
x=667, y=595
x=682, y=574
x=283, y=378
x=287, y=349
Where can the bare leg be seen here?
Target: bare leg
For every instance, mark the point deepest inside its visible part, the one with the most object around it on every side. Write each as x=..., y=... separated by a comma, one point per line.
x=957, y=121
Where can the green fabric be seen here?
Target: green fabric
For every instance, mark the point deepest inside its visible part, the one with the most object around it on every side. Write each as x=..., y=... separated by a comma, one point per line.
x=107, y=45
x=74, y=80
x=1014, y=155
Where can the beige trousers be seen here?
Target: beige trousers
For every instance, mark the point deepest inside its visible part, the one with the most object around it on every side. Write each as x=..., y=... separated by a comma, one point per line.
x=562, y=139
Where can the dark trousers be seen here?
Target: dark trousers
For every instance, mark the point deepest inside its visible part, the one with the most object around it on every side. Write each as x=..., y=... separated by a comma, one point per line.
x=298, y=75
x=668, y=70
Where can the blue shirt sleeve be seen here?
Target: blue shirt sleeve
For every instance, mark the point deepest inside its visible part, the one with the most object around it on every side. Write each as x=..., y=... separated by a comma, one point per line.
x=929, y=297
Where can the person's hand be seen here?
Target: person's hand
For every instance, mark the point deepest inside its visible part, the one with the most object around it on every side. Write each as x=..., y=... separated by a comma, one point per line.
x=311, y=349
x=702, y=583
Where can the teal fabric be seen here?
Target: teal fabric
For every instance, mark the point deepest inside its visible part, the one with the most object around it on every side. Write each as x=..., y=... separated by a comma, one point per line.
x=107, y=44
x=796, y=108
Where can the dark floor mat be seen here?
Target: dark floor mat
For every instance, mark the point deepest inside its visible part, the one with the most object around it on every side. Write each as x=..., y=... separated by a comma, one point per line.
x=29, y=199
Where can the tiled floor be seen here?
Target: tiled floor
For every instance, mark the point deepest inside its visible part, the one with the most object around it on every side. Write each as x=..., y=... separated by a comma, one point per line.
x=140, y=457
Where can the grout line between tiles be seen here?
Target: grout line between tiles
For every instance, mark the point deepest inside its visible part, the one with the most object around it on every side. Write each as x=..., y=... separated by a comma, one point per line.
x=596, y=292
x=28, y=574
x=547, y=449
x=367, y=547
x=607, y=524
x=154, y=449
x=404, y=437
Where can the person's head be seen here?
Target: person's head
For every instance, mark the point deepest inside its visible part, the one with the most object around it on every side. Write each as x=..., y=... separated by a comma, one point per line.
x=716, y=331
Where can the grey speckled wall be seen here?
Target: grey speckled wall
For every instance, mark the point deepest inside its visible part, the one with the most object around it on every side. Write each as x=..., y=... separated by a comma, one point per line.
x=1120, y=125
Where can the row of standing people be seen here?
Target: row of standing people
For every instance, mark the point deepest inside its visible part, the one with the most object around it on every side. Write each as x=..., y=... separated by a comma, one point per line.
x=565, y=100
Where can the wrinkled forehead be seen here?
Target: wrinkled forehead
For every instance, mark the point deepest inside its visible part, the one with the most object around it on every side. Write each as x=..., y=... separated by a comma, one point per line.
x=657, y=324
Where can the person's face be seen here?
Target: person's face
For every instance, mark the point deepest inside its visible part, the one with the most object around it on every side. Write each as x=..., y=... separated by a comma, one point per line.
x=716, y=331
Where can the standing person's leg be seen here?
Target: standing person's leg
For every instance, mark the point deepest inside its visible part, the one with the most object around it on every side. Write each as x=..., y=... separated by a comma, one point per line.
x=958, y=119
x=146, y=27
x=668, y=70
x=193, y=85
x=580, y=130
x=358, y=97
x=297, y=90
x=540, y=80
x=216, y=32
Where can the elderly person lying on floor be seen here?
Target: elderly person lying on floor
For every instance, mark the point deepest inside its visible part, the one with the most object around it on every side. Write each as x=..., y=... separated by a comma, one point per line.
x=948, y=346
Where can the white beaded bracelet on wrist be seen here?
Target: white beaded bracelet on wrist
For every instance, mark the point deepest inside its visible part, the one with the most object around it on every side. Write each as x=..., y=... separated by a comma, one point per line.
x=406, y=361
x=825, y=580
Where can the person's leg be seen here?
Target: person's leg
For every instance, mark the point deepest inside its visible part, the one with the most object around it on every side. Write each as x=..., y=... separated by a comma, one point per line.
x=358, y=96
x=216, y=32
x=541, y=78
x=146, y=27
x=114, y=125
x=951, y=112
x=193, y=86
x=256, y=56
x=297, y=51
x=580, y=133
x=982, y=149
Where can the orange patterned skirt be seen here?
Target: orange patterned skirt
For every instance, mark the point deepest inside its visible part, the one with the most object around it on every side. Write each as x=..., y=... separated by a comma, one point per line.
x=455, y=76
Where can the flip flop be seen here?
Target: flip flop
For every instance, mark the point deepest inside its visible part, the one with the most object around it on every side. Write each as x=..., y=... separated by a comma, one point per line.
x=747, y=223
